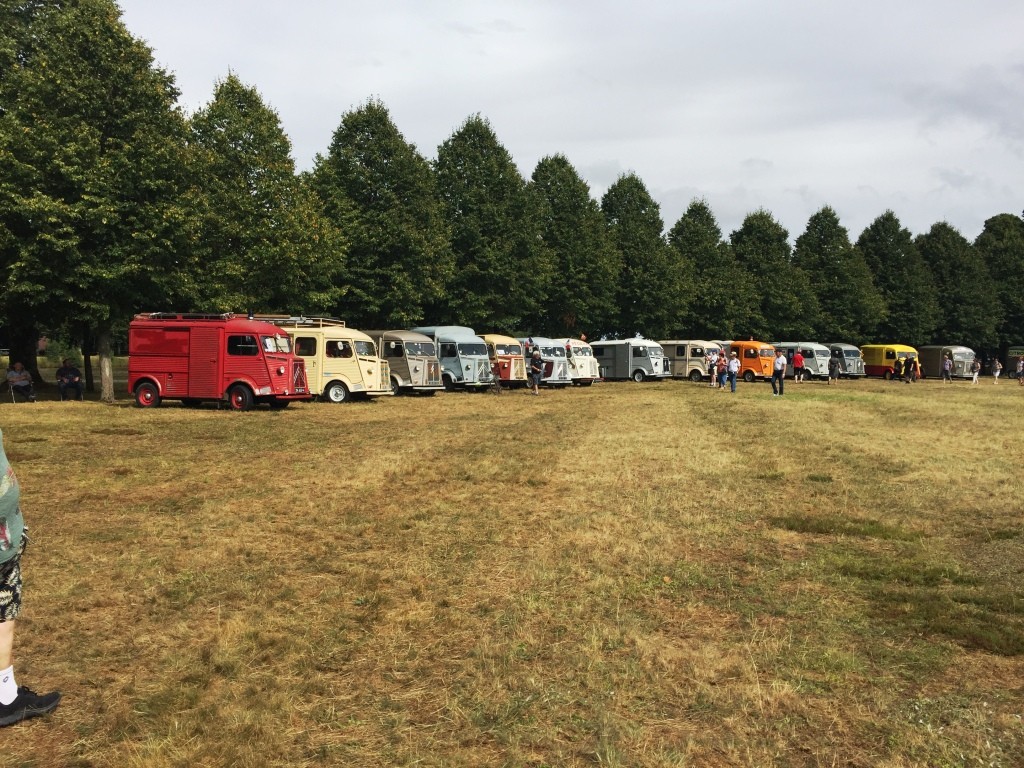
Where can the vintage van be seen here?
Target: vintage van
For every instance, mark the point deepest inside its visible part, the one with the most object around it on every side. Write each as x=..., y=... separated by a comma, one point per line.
x=638, y=359
x=412, y=358
x=341, y=362
x=195, y=357
x=850, y=361
x=756, y=358
x=880, y=358
x=932, y=356
x=506, y=355
x=686, y=359
x=463, y=356
x=579, y=356
x=556, y=362
x=816, y=357
x=1012, y=355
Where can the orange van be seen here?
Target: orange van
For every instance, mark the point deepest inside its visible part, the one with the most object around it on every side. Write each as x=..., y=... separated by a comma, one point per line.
x=756, y=358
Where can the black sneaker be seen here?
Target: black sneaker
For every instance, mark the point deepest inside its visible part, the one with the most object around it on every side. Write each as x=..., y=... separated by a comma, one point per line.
x=28, y=704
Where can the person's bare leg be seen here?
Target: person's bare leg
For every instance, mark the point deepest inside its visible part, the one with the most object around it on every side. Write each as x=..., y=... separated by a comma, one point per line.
x=6, y=643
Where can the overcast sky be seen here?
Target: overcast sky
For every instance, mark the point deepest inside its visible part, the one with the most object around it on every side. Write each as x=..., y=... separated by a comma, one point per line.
x=911, y=105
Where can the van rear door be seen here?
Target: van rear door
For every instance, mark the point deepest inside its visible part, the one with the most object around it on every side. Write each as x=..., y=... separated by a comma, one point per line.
x=203, y=362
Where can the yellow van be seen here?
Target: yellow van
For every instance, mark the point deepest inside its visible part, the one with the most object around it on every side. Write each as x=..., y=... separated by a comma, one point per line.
x=880, y=359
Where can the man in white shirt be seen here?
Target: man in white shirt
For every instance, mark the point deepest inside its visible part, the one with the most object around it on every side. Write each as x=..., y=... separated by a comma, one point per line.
x=778, y=373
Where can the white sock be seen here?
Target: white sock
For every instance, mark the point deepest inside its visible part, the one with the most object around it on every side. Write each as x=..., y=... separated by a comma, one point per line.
x=8, y=688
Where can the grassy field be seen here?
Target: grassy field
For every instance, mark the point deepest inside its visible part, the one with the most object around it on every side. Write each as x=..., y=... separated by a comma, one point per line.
x=630, y=575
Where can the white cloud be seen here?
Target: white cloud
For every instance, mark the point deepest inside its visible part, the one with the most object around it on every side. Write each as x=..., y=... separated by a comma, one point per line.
x=915, y=106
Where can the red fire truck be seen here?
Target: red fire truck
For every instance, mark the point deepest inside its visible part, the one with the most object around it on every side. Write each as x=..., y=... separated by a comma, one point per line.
x=227, y=358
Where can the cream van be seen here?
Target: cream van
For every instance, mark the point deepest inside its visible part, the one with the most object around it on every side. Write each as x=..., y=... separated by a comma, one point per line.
x=412, y=358
x=686, y=359
x=581, y=362
x=341, y=362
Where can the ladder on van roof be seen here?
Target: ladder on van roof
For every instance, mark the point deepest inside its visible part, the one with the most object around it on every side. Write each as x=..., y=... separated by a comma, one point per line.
x=301, y=321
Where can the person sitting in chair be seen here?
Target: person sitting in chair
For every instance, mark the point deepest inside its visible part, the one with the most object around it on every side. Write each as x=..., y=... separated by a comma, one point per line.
x=69, y=378
x=20, y=382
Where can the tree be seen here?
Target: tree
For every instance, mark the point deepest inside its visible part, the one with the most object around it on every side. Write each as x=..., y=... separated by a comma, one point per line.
x=652, y=297
x=260, y=239
x=91, y=142
x=851, y=305
x=903, y=279
x=502, y=267
x=788, y=307
x=1001, y=245
x=581, y=296
x=382, y=192
x=967, y=313
x=724, y=301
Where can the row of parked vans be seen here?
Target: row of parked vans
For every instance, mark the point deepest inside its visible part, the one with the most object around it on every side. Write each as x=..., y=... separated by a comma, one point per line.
x=242, y=361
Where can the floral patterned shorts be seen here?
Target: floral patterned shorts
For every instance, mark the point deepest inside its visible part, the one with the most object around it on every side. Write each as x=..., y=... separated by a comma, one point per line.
x=10, y=585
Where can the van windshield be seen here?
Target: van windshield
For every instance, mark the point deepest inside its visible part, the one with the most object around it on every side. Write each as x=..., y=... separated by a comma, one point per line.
x=423, y=348
x=854, y=353
x=473, y=349
x=508, y=349
x=767, y=353
x=582, y=351
x=822, y=353
x=365, y=349
x=553, y=351
x=276, y=343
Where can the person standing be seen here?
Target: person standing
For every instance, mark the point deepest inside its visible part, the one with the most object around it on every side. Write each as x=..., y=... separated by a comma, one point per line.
x=911, y=370
x=834, y=369
x=947, y=369
x=779, y=374
x=734, y=370
x=997, y=368
x=1020, y=370
x=975, y=370
x=798, y=366
x=17, y=702
x=721, y=369
x=711, y=360
x=536, y=370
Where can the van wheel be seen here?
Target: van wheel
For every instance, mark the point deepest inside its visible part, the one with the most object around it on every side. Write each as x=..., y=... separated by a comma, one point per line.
x=336, y=392
x=240, y=398
x=887, y=375
x=449, y=383
x=147, y=395
x=695, y=376
x=395, y=389
x=748, y=376
x=638, y=376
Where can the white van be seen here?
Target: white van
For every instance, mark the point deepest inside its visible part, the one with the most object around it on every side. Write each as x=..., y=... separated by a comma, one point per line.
x=816, y=357
x=579, y=356
x=638, y=359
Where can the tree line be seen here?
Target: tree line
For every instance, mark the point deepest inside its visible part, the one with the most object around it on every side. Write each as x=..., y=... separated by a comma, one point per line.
x=114, y=201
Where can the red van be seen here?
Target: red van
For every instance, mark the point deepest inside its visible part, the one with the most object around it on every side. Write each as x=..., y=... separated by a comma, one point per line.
x=196, y=357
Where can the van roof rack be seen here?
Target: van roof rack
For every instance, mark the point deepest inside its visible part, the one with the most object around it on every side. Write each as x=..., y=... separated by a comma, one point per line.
x=302, y=321
x=184, y=316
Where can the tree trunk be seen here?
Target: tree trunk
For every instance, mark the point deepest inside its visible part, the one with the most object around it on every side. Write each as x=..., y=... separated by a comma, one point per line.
x=106, y=362
x=87, y=353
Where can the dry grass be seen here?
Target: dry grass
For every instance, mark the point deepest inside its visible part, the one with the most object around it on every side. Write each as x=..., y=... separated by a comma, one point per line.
x=655, y=575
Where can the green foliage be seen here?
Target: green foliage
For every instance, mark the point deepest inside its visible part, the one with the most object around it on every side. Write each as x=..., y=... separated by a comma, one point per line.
x=581, y=296
x=259, y=237
x=724, y=301
x=652, y=284
x=91, y=142
x=969, y=313
x=788, y=306
x=502, y=267
x=381, y=192
x=1001, y=245
x=903, y=279
x=851, y=306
